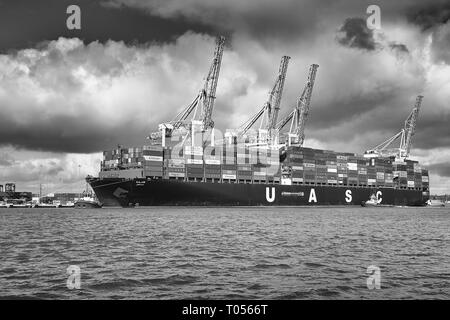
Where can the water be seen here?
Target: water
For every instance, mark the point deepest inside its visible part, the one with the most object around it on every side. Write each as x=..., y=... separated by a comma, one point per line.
x=225, y=253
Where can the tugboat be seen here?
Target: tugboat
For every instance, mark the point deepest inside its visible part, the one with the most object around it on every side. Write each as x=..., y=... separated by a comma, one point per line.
x=372, y=202
x=87, y=200
x=435, y=203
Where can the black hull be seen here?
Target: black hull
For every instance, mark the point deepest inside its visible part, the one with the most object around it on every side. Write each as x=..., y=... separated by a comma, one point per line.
x=162, y=192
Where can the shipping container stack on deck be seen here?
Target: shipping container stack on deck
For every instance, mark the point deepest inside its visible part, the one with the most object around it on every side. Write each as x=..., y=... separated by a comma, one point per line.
x=321, y=167
x=341, y=164
x=194, y=163
x=265, y=165
x=309, y=166
x=292, y=168
x=229, y=163
x=400, y=174
x=259, y=166
x=425, y=179
x=365, y=172
x=213, y=164
x=274, y=170
x=235, y=163
x=417, y=175
x=153, y=160
x=174, y=163
x=331, y=163
x=244, y=164
x=352, y=171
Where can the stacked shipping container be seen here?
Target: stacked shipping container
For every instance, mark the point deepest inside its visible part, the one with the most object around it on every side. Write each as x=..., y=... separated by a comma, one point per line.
x=239, y=164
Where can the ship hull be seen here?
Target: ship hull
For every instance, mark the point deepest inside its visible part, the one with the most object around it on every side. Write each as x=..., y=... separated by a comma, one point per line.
x=163, y=192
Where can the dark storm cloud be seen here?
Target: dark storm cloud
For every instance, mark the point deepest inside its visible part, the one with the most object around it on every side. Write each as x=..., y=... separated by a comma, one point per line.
x=432, y=131
x=440, y=47
x=284, y=19
x=398, y=47
x=442, y=169
x=26, y=23
x=71, y=97
x=355, y=34
x=429, y=14
x=434, y=18
x=76, y=134
x=302, y=29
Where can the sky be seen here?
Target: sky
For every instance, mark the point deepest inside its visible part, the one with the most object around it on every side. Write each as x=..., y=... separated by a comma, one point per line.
x=67, y=95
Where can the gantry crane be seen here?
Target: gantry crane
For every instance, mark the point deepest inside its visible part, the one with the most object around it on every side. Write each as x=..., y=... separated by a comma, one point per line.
x=406, y=134
x=299, y=115
x=201, y=108
x=269, y=112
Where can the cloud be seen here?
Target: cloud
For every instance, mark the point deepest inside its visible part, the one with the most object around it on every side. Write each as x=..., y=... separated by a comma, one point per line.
x=434, y=18
x=442, y=169
x=427, y=15
x=70, y=96
x=260, y=18
x=441, y=44
x=56, y=172
x=355, y=34
x=5, y=160
x=399, y=47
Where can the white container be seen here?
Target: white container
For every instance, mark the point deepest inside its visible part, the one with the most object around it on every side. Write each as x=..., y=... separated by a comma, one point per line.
x=153, y=158
x=176, y=174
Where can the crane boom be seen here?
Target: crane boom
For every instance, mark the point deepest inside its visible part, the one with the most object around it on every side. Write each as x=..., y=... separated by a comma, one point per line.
x=304, y=103
x=299, y=115
x=280, y=125
x=209, y=90
x=410, y=125
x=274, y=101
x=204, y=100
x=269, y=112
x=405, y=134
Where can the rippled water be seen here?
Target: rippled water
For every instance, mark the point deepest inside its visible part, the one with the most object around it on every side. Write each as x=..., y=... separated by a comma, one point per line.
x=227, y=253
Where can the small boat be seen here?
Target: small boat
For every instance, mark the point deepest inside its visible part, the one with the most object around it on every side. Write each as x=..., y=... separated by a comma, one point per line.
x=374, y=202
x=87, y=203
x=435, y=203
x=87, y=200
x=45, y=205
x=4, y=204
x=68, y=204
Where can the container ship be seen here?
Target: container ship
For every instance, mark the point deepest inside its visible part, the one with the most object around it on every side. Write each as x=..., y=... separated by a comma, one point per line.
x=188, y=162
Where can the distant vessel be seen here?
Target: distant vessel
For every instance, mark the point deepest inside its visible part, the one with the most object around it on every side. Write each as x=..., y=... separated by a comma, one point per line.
x=10, y=198
x=15, y=203
x=68, y=204
x=435, y=203
x=45, y=205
